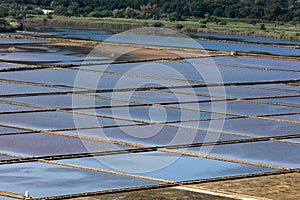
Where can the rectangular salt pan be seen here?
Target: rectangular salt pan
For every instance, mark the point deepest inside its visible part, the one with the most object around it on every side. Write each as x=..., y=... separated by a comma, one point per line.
x=64, y=101
x=207, y=72
x=292, y=101
x=279, y=154
x=285, y=87
x=45, y=180
x=292, y=118
x=39, y=144
x=86, y=80
x=234, y=92
x=57, y=120
x=149, y=113
x=261, y=63
x=8, y=130
x=263, y=128
x=14, y=108
x=167, y=166
x=16, y=89
x=154, y=135
x=241, y=107
x=155, y=96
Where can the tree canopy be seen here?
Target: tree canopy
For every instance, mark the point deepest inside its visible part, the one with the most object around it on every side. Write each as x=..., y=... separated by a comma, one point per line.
x=271, y=10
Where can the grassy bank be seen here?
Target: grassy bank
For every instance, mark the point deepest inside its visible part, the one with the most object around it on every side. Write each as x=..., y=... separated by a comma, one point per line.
x=289, y=31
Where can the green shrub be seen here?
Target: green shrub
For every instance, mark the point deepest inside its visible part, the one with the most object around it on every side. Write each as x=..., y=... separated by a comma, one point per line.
x=29, y=16
x=94, y=14
x=179, y=26
x=158, y=24
x=262, y=27
x=222, y=23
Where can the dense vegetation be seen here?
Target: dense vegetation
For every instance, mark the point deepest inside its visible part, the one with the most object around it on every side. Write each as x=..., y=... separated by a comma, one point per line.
x=5, y=26
x=12, y=26
x=271, y=10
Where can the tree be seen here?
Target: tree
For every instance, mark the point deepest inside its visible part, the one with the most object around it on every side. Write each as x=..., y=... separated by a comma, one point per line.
x=197, y=8
x=94, y=14
x=5, y=26
x=148, y=11
x=174, y=16
x=73, y=9
x=179, y=26
x=262, y=27
x=59, y=10
x=3, y=12
x=117, y=13
x=130, y=12
x=274, y=10
x=158, y=24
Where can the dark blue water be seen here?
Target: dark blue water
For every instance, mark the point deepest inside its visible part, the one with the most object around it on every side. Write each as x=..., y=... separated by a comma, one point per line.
x=12, y=41
x=202, y=44
x=101, y=35
x=64, y=32
x=243, y=38
x=249, y=48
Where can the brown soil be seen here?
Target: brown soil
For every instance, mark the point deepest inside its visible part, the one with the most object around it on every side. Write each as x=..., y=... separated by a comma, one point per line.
x=282, y=186
x=155, y=194
x=132, y=53
x=278, y=187
x=139, y=52
x=101, y=23
x=124, y=52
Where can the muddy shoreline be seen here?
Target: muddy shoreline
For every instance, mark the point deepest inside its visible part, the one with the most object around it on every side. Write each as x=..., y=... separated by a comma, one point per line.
x=116, y=28
x=120, y=27
x=140, y=52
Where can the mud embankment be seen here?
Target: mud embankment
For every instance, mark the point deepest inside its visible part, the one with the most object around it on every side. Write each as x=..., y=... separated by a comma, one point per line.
x=101, y=24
